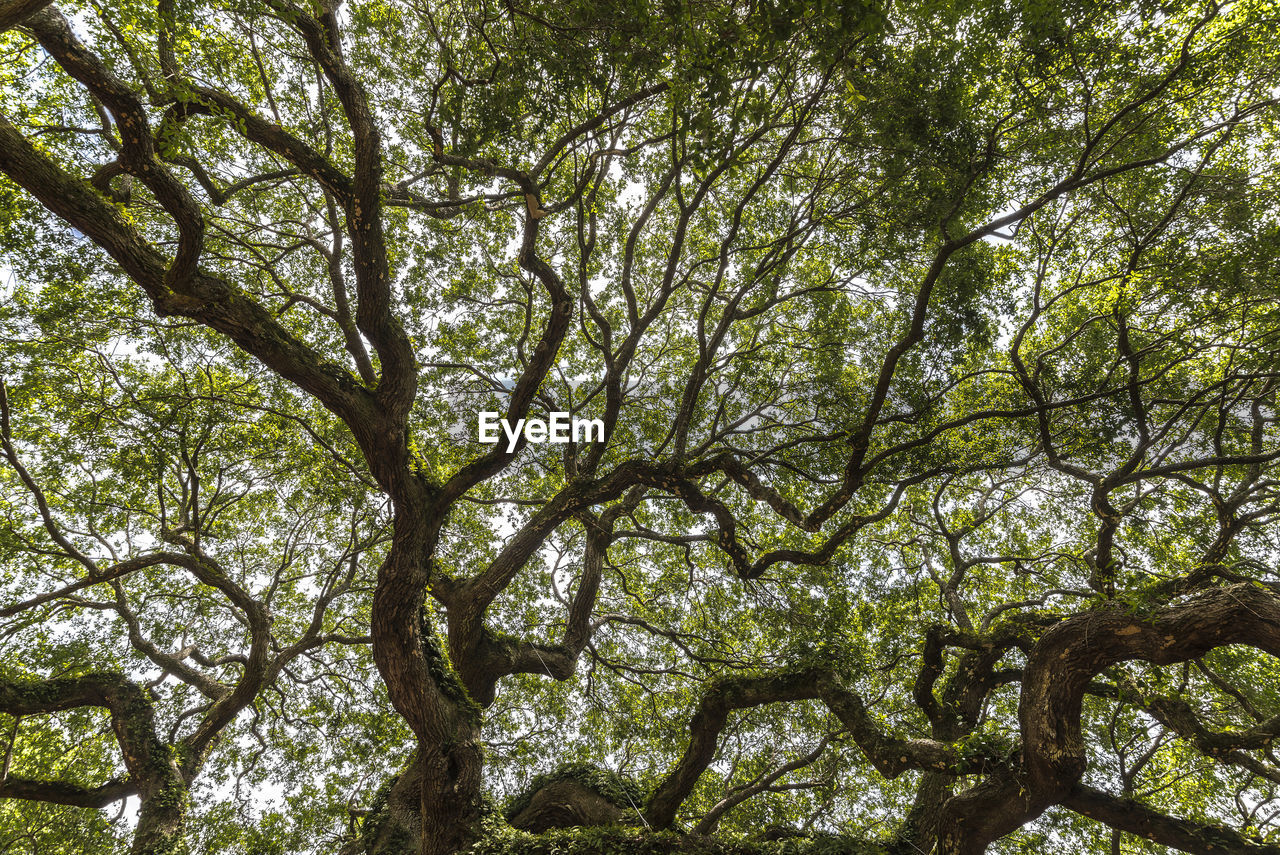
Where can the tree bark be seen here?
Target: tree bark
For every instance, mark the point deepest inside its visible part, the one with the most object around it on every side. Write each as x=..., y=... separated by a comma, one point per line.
x=152, y=770
x=451, y=792
x=424, y=687
x=433, y=804
x=14, y=12
x=1061, y=665
x=1135, y=818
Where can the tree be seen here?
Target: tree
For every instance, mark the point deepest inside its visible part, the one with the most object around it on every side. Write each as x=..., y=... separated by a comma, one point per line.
x=934, y=350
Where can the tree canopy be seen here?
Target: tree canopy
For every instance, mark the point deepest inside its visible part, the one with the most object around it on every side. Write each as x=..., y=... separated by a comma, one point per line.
x=934, y=351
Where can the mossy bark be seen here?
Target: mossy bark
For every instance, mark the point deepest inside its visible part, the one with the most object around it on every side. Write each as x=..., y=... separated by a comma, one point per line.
x=567, y=804
x=432, y=806
x=152, y=769
x=162, y=820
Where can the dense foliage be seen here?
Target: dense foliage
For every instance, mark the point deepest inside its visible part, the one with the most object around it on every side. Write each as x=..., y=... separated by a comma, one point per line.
x=936, y=347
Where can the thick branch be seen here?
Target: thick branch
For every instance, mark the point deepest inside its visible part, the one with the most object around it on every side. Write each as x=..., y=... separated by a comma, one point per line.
x=1133, y=817
x=890, y=756
x=203, y=298
x=64, y=793
x=14, y=12
x=1059, y=670
x=132, y=718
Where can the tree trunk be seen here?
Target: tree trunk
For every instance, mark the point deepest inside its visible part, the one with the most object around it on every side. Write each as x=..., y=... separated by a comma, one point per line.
x=920, y=828
x=162, y=820
x=432, y=806
x=425, y=689
x=450, y=789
